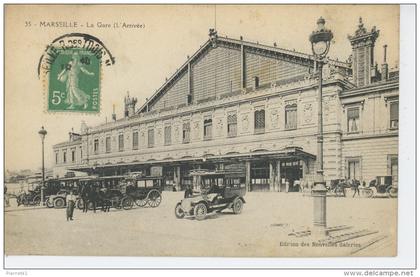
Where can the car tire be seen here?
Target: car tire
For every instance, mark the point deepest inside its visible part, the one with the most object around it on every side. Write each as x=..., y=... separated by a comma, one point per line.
x=59, y=203
x=392, y=192
x=127, y=203
x=49, y=203
x=237, y=206
x=79, y=204
x=37, y=200
x=200, y=211
x=179, y=212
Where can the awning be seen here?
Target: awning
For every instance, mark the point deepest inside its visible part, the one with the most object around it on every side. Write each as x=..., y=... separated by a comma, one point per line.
x=284, y=154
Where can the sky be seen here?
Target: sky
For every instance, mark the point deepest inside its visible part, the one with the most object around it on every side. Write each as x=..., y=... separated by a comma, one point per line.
x=145, y=57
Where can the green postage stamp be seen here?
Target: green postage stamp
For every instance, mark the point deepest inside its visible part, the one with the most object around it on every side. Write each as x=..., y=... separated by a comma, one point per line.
x=71, y=72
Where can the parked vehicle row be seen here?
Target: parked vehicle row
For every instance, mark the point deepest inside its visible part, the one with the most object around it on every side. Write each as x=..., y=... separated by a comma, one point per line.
x=381, y=186
x=114, y=191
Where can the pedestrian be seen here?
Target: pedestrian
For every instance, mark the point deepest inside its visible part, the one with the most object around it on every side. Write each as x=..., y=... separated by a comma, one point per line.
x=6, y=196
x=356, y=184
x=93, y=197
x=103, y=193
x=85, y=198
x=188, y=191
x=71, y=202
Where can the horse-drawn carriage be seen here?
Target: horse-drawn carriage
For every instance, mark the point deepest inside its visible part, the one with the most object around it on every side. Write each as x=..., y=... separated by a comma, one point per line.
x=143, y=190
x=382, y=186
x=338, y=187
x=121, y=192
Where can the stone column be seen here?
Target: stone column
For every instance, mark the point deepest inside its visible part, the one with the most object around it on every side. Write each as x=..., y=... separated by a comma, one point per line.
x=278, y=179
x=272, y=176
x=248, y=175
x=177, y=177
x=304, y=167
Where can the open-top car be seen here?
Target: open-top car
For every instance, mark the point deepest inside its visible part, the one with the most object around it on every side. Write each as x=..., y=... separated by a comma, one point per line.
x=219, y=190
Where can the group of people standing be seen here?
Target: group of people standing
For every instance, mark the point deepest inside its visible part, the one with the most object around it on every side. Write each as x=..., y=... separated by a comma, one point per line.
x=92, y=197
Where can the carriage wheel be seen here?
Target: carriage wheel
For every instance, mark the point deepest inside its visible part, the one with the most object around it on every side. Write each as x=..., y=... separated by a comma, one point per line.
x=37, y=200
x=200, y=211
x=154, y=198
x=141, y=202
x=392, y=192
x=59, y=203
x=127, y=203
x=237, y=206
x=179, y=212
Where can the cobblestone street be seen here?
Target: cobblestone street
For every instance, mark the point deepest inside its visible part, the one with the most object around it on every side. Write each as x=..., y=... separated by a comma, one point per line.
x=261, y=230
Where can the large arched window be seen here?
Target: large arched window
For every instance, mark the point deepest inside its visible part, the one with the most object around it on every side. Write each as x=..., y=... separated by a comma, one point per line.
x=232, y=125
x=208, y=123
x=186, y=132
x=259, y=121
x=291, y=117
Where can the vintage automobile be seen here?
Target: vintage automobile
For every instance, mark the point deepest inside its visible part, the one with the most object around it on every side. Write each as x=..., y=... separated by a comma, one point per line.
x=29, y=198
x=56, y=191
x=382, y=186
x=57, y=200
x=219, y=190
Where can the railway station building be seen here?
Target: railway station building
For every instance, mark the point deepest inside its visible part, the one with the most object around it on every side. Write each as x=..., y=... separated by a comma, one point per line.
x=244, y=105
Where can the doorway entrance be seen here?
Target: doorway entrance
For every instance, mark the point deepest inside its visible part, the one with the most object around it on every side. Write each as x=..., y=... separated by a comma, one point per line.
x=291, y=171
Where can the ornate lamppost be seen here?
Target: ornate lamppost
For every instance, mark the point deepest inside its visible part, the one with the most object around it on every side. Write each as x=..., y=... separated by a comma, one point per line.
x=42, y=133
x=320, y=40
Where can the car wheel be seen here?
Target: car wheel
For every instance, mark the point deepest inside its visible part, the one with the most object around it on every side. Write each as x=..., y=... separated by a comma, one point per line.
x=79, y=204
x=49, y=203
x=127, y=203
x=37, y=200
x=59, y=203
x=25, y=201
x=237, y=206
x=200, y=211
x=179, y=212
x=90, y=205
x=392, y=192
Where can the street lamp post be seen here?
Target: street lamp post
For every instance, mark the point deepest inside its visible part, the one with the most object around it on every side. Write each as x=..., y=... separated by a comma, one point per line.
x=42, y=133
x=320, y=40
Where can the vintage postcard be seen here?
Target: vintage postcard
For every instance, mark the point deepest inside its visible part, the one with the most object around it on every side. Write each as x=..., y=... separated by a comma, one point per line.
x=202, y=130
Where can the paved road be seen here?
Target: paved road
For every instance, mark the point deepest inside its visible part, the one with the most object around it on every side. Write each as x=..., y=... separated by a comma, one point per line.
x=261, y=230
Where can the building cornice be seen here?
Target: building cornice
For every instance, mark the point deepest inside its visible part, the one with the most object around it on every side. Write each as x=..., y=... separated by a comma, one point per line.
x=253, y=96
x=370, y=136
x=375, y=87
